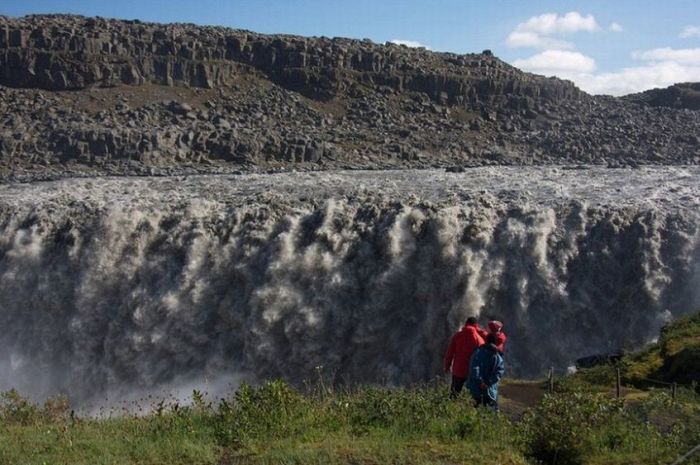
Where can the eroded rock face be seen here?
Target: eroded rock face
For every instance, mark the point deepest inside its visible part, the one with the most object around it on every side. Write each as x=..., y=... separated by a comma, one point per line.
x=685, y=95
x=88, y=96
x=68, y=52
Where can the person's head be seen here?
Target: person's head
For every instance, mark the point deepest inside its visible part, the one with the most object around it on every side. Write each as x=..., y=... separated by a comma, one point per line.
x=471, y=320
x=495, y=326
x=491, y=339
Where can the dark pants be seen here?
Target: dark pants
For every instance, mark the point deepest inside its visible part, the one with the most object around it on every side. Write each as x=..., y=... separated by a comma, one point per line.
x=486, y=401
x=457, y=385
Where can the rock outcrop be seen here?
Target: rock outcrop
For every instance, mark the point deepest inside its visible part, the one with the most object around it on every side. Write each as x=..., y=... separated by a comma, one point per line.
x=68, y=52
x=685, y=95
x=90, y=95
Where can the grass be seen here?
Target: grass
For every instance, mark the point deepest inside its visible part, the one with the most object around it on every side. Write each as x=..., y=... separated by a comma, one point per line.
x=675, y=357
x=368, y=425
x=274, y=424
x=168, y=439
x=580, y=423
x=374, y=449
x=271, y=424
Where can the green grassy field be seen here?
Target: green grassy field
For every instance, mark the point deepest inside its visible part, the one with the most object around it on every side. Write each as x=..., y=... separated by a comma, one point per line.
x=582, y=422
x=274, y=424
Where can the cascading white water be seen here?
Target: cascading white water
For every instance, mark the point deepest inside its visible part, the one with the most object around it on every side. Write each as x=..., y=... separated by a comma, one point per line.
x=115, y=286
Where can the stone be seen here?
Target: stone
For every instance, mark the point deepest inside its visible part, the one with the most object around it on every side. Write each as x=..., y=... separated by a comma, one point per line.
x=288, y=100
x=180, y=108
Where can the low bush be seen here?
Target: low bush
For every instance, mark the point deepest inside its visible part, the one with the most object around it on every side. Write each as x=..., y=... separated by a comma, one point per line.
x=555, y=432
x=17, y=410
x=273, y=411
x=580, y=427
x=404, y=410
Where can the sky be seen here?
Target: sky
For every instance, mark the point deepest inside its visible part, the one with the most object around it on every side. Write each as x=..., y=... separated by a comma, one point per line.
x=605, y=46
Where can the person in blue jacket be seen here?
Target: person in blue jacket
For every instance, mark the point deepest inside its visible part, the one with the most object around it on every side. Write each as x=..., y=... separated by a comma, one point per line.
x=486, y=369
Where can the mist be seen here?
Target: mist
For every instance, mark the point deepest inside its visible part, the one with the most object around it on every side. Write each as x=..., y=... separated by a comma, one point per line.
x=123, y=287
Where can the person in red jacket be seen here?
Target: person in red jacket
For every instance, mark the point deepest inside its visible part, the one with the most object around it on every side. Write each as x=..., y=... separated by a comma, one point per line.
x=484, y=333
x=496, y=328
x=459, y=352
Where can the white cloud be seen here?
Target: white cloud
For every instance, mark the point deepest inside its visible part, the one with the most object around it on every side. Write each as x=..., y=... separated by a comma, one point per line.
x=660, y=67
x=536, y=32
x=683, y=56
x=409, y=43
x=637, y=79
x=552, y=23
x=525, y=39
x=551, y=62
x=690, y=31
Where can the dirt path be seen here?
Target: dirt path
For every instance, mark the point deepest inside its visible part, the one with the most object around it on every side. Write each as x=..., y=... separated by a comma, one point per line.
x=517, y=396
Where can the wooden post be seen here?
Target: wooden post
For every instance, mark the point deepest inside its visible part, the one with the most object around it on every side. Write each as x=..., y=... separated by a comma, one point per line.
x=551, y=380
x=673, y=392
x=618, y=383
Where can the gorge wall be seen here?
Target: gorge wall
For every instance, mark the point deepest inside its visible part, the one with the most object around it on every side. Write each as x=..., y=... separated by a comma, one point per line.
x=85, y=96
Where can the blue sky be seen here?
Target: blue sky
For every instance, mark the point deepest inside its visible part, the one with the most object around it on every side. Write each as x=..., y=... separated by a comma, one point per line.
x=605, y=46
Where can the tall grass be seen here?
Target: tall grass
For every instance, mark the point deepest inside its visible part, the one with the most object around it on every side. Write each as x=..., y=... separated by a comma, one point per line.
x=260, y=425
x=276, y=424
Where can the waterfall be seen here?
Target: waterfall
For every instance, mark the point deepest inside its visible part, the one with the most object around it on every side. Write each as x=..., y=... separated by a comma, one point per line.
x=109, y=286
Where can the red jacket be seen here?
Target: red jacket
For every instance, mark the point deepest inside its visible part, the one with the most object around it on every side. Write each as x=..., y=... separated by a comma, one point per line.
x=460, y=350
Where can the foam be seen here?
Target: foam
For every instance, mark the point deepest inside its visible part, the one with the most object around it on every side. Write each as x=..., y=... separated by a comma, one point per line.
x=126, y=286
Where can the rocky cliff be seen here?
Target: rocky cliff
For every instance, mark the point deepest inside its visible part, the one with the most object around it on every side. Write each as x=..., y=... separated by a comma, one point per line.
x=90, y=95
x=684, y=95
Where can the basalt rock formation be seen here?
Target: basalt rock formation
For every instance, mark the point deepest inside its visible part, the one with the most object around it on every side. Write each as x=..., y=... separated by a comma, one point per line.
x=91, y=95
x=685, y=95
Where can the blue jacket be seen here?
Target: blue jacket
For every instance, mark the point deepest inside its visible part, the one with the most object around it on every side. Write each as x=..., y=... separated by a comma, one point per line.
x=486, y=366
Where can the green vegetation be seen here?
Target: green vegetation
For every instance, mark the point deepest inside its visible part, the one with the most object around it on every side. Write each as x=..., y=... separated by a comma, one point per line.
x=676, y=356
x=592, y=428
x=274, y=424
x=647, y=394
x=580, y=423
x=49, y=434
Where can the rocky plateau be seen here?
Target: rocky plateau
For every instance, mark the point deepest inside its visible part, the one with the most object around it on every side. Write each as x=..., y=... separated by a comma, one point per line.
x=91, y=96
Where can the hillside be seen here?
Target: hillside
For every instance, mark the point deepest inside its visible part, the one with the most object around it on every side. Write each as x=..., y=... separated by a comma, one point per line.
x=685, y=95
x=97, y=96
x=674, y=358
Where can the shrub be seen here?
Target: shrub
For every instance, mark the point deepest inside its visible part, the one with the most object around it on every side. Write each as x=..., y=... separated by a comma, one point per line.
x=17, y=410
x=678, y=420
x=271, y=411
x=406, y=410
x=56, y=409
x=555, y=432
x=370, y=408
